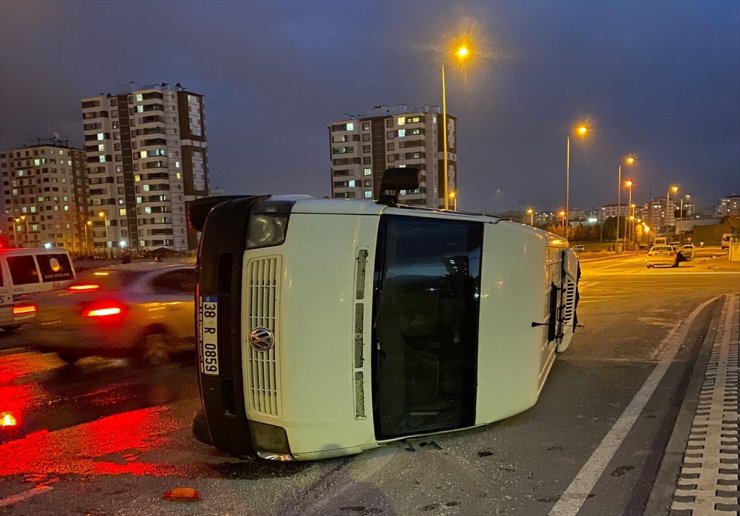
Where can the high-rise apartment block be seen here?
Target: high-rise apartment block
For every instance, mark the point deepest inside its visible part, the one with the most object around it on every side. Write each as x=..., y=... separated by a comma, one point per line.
x=363, y=146
x=146, y=156
x=43, y=195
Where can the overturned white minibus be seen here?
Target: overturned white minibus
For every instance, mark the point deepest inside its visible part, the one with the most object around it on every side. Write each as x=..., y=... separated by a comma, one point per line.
x=328, y=327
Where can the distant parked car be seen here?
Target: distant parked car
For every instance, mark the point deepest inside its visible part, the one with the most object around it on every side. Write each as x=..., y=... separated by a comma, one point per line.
x=579, y=248
x=142, y=310
x=662, y=255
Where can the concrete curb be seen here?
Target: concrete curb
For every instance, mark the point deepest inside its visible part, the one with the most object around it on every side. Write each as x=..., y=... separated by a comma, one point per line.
x=667, y=478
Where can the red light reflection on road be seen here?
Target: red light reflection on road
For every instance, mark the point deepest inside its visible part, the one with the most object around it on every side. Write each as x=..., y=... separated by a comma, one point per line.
x=111, y=445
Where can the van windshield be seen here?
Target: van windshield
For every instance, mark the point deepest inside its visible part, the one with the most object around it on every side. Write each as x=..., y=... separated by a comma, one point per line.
x=425, y=332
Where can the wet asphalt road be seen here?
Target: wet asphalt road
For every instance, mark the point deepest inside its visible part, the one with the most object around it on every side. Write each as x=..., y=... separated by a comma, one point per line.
x=107, y=437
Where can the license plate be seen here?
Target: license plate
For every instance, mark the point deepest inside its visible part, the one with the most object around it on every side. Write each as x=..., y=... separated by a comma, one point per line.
x=208, y=338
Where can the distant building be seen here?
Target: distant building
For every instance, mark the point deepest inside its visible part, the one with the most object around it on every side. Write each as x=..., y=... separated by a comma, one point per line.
x=146, y=155
x=362, y=146
x=44, y=199
x=728, y=206
x=611, y=210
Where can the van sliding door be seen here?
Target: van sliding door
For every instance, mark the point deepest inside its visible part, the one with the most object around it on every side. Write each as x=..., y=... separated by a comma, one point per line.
x=425, y=331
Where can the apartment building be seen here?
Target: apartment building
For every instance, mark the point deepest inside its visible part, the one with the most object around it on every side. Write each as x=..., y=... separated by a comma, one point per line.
x=43, y=198
x=362, y=146
x=146, y=155
x=729, y=205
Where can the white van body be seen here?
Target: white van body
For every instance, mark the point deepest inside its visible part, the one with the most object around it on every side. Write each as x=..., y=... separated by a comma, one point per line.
x=370, y=323
x=25, y=272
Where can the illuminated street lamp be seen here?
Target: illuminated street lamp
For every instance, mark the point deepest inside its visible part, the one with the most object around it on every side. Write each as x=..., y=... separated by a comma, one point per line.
x=629, y=160
x=22, y=218
x=680, y=211
x=531, y=216
x=453, y=197
x=86, y=247
x=103, y=216
x=674, y=189
x=461, y=53
x=580, y=130
x=628, y=184
x=15, y=231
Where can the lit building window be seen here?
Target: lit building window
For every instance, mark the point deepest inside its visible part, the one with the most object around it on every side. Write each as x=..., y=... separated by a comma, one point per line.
x=368, y=194
x=101, y=136
x=350, y=126
x=401, y=120
x=367, y=171
x=122, y=212
x=401, y=133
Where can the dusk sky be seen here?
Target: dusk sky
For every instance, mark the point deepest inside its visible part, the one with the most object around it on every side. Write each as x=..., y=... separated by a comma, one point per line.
x=658, y=79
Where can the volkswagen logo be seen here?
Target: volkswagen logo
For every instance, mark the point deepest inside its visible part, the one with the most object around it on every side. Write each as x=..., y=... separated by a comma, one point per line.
x=261, y=339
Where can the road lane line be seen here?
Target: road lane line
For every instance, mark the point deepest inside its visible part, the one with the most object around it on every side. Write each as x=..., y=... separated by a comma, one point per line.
x=575, y=495
x=24, y=495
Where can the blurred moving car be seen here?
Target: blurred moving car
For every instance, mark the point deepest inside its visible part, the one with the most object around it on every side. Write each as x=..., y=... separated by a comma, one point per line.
x=142, y=310
x=578, y=248
x=687, y=252
x=662, y=255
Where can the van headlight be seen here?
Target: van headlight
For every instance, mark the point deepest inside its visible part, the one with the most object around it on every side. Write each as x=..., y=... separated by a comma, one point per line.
x=266, y=229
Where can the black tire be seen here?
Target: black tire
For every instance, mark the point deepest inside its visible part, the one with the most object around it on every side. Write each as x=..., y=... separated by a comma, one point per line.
x=155, y=347
x=200, y=428
x=69, y=358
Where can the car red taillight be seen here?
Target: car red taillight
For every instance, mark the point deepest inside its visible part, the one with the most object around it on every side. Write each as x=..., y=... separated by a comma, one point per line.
x=25, y=309
x=84, y=287
x=104, y=309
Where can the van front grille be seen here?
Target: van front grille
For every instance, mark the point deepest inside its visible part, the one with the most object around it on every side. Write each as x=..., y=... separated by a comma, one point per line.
x=262, y=310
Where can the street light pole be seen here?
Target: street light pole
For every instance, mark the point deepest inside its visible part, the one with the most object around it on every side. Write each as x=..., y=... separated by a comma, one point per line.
x=444, y=137
x=462, y=52
x=619, y=201
x=531, y=216
x=104, y=216
x=628, y=184
x=629, y=160
x=581, y=130
x=567, y=183
x=668, y=203
x=15, y=232
x=28, y=234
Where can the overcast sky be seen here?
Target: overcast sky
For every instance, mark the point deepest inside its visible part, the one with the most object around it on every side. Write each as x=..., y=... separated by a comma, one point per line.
x=658, y=79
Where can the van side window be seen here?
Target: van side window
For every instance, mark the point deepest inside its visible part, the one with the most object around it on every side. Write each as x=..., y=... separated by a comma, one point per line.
x=2, y=281
x=23, y=270
x=55, y=267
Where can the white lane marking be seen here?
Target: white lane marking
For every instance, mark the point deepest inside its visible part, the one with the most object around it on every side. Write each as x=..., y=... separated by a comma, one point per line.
x=572, y=499
x=24, y=495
